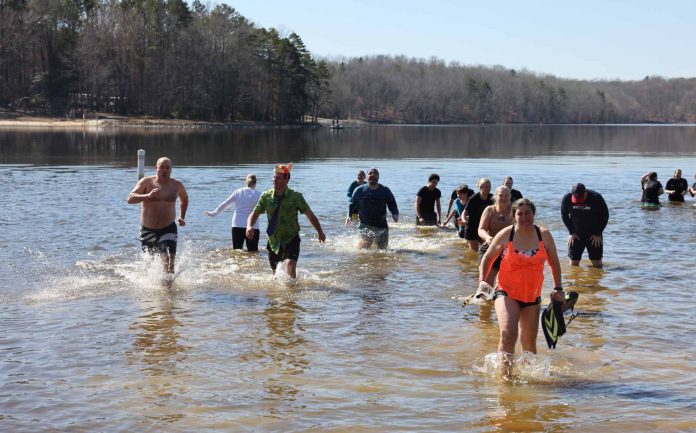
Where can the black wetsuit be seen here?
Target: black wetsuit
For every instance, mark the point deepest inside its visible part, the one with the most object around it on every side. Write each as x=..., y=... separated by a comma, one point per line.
x=651, y=192
x=678, y=186
x=585, y=220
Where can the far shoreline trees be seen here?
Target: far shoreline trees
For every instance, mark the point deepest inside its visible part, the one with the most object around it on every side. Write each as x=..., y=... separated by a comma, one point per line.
x=162, y=58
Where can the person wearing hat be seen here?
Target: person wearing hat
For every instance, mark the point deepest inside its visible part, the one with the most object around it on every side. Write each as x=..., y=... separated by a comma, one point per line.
x=245, y=200
x=585, y=215
x=371, y=202
x=281, y=205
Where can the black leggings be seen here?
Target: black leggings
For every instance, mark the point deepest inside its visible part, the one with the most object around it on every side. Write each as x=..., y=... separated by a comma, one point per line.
x=239, y=237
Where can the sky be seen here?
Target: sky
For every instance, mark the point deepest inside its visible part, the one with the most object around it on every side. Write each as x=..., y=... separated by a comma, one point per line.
x=588, y=39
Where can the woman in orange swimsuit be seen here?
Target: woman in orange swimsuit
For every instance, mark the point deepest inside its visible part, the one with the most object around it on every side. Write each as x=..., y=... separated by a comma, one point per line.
x=525, y=248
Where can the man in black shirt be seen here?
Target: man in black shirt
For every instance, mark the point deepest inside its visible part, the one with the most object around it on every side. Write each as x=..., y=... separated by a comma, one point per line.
x=427, y=202
x=514, y=194
x=585, y=215
x=676, y=187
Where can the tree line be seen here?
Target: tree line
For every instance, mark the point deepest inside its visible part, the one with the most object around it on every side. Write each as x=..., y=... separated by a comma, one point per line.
x=165, y=58
x=154, y=57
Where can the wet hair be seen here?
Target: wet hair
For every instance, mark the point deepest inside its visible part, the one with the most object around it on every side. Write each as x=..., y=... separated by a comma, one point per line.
x=678, y=171
x=462, y=189
x=433, y=177
x=652, y=175
x=508, y=178
x=523, y=202
x=361, y=173
x=251, y=179
x=482, y=181
x=501, y=187
x=163, y=159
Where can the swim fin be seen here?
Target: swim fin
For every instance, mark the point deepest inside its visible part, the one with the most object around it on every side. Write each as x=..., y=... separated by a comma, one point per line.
x=552, y=320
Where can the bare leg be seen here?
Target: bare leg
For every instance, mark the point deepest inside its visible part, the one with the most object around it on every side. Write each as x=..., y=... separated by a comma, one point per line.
x=575, y=262
x=508, y=312
x=473, y=245
x=597, y=263
x=168, y=262
x=529, y=327
x=291, y=268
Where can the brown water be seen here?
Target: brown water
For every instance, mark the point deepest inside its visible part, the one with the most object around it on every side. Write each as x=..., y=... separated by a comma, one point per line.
x=364, y=341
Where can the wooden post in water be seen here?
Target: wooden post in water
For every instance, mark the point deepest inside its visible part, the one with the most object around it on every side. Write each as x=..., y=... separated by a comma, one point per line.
x=141, y=163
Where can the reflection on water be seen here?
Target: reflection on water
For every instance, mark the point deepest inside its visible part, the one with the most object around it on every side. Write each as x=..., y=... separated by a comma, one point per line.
x=373, y=341
x=250, y=146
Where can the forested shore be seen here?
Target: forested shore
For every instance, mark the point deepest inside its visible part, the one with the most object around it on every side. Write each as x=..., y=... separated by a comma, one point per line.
x=166, y=59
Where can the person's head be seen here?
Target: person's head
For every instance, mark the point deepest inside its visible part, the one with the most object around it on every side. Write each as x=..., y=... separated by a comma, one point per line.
x=652, y=175
x=502, y=195
x=524, y=211
x=463, y=193
x=578, y=193
x=361, y=176
x=281, y=175
x=251, y=180
x=677, y=173
x=163, y=168
x=508, y=182
x=484, y=186
x=372, y=176
x=433, y=180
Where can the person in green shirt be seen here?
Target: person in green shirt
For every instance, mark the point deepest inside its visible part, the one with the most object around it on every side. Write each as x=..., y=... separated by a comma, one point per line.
x=281, y=205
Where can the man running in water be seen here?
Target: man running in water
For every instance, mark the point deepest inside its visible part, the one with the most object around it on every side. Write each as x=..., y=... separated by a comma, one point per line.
x=281, y=205
x=585, y=215
x=157, y=196
x=370, y=202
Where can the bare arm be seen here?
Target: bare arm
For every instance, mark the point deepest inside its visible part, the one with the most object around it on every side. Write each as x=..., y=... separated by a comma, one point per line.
x=552, y=254
x=315, y=222
x=418, y=202
x=484, y=223
x=439, y=210
x=250, y=224
x=137, y=195
x=183, y=204
x=494, y=250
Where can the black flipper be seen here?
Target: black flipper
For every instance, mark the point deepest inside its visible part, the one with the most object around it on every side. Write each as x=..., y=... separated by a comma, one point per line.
x=552, y=320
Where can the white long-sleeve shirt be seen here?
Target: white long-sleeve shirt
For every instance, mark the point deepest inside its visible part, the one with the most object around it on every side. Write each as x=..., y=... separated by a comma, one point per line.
x=245, y=200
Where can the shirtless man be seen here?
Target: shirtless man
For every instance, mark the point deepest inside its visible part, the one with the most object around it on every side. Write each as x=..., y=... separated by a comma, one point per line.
x=157, y=195
x=494, y=219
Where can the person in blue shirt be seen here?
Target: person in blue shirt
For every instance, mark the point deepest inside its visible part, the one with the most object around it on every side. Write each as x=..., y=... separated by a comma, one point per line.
x=371, y=202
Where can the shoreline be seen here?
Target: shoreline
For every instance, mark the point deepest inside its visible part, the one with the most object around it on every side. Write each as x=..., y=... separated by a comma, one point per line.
x=34, y=121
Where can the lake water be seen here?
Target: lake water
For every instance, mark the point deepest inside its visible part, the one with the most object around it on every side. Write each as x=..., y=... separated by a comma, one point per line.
x=366, y=341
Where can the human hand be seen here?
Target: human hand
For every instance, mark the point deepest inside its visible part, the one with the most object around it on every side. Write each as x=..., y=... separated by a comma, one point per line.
x=596, y=240
x=207, y=213
x=322, y=237
x=250, y=232
x=154, y=194
x=571, y=239
x=182, y=222
x=395, y=218
x=348, y=220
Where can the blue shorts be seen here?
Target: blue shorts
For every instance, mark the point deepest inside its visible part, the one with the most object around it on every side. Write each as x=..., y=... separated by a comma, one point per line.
x=370, y=234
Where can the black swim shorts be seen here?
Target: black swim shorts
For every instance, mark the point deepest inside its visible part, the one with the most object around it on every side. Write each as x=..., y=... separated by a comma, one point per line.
x=291, y=251
x=159, y=240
